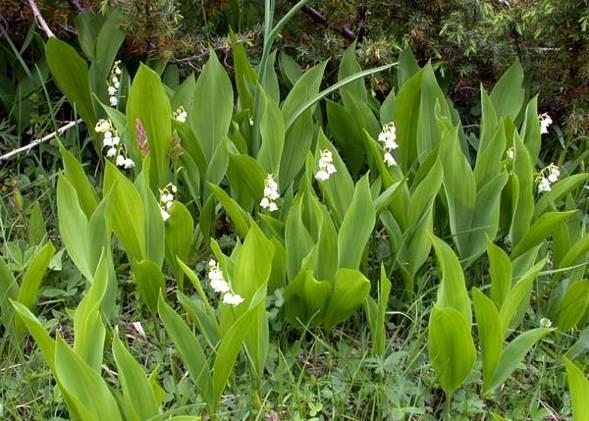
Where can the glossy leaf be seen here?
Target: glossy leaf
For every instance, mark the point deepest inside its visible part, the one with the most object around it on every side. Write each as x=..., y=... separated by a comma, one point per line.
x=450, y=347
x=356, y=227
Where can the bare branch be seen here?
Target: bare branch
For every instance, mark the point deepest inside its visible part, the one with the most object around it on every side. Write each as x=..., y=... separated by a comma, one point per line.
x=39, y=19
x=36, y=142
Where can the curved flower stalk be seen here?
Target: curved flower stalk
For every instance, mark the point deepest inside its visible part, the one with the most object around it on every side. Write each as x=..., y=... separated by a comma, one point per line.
x=180, y=114
x=547, y=177
x=112, y=142
x=545, y=122
x=326, y=166
x=271, y=194
x=220, y=285
x=388, y=137
x=167, y=200
x=114, y=84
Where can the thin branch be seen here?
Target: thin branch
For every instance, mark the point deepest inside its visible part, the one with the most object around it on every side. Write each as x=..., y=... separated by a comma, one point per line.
x=39, y=19
x=344, y=31
x=36, y=142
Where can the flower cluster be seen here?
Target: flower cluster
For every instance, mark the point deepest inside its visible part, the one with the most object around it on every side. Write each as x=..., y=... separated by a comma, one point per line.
x=388, y=138
x=270, y=194
x=115, y=84
x=166, y=200
x=326, y=167
x=220, y=285
x=545, y=122
x=112, y=142
x=180, y=114
x=545, y=181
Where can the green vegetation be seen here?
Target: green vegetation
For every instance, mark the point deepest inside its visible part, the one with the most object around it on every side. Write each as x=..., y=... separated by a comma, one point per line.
x=277, y=241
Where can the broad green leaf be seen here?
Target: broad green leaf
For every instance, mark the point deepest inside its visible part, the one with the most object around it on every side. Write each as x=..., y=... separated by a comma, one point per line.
x=31, y=282
x=347, y=134
x=290, y=70
x=530, y=131
x=305, y=299
x=251, y=272
x=406, y=118
x=149, y=105
x=387, y=109
x=573, y=305
x=218, y=163
x=384, y=291
x=205, y=323
x=108, y=42
x=188, y=348
x=154, y=224
x=100, y=240
x=87, y=391
x=559, y=191
x=539, y=231
x=355, y=95
x=246, y=179
x=311, y=102
x=183, y=95
x=349, y=66
x=137, y=390
x=579, y=390
x=460, y=188
x=425, y=193
x=272, y=133
x=212, y=106
x=490, y=336
x=522, y=192
x=517, y=295
x=450, y=347
x=179, y=229
x=245, y=77
x=452, y=290
x=76, y=175
x=575, y=253
x=45, y=343
x=88, y=25
x=37, y=230
x=125, y=214
x=508, y=94
x=8, y=291
x=296, y=146
x=240, y=218
x=193, y=146
x=350, y=289
x=254, y=264
x=73, y=227
x=231, y=343
x=297, y=239
x=489, y=157
x=71, y=75
x=150, y=281
x=513, y=355
x=428, y=133
x=326, y=248
x=356, y=227
x=304, y=89
x=89, y=331
x=407, y=67
x=500, y=270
